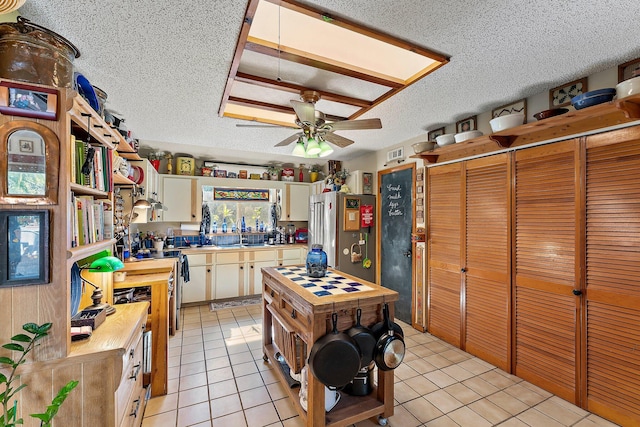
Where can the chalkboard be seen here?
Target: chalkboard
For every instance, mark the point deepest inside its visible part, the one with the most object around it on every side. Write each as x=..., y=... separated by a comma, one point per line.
x=396, y=224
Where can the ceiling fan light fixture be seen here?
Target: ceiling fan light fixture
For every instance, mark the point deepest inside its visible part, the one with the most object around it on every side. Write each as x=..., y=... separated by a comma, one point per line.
x=325, y=149
x=313, y=147
x=299, y=150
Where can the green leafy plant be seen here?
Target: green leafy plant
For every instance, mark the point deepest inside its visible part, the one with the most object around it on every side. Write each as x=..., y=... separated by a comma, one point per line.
x=23, y=344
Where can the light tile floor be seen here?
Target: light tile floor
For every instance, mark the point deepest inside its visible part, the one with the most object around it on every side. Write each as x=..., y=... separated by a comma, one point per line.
x=217, y=378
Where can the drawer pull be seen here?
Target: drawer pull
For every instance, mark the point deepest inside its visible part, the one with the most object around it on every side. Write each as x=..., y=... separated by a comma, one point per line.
x=272, y=293
x=134, y=374
x=134, y=414
x=131, y=354
x=293, y=313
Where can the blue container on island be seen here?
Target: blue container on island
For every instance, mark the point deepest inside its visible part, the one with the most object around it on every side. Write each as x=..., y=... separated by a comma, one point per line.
x=316, y=261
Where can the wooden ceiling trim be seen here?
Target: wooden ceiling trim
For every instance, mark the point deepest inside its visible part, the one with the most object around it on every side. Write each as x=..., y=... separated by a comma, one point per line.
x=277, y=108
x=237, y=56
x=352, y=26
x=297, y=89
x=315, y=63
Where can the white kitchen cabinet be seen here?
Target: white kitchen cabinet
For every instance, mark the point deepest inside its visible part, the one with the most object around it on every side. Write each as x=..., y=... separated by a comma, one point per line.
x=196, y=289
x=229, y=275
x=149, y=189
x=180, y=196
x=296, y=201
x=291, y=256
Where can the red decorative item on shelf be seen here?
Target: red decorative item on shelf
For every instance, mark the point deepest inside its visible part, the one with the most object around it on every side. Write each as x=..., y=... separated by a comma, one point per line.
x=301, y=175
x=155, y=164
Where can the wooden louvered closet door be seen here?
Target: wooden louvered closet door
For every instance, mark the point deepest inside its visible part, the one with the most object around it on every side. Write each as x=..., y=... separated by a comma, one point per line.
x=546, y=224
x=487, y=284
x=613, y=276
x=444, y=233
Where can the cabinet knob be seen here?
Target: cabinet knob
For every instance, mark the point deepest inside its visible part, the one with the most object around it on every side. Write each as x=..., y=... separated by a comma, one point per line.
x=463, y=270
x=577, y=292
x=208, y=270
x=241, y=267
x=252, y=266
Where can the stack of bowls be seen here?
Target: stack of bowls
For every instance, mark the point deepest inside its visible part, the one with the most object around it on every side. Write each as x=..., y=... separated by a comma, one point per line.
x=421, y=147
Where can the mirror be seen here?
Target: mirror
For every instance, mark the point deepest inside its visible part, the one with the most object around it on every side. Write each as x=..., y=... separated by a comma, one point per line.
x=26, y=164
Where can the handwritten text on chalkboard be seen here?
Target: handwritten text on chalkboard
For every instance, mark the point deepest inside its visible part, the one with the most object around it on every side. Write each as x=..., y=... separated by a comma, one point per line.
x=395, y=194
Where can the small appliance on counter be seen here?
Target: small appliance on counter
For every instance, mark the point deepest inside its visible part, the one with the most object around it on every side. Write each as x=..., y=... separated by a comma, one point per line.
x=291, y=233
x=302, y=235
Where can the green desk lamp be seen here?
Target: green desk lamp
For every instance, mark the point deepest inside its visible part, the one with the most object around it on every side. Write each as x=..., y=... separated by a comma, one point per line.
x=107, y=264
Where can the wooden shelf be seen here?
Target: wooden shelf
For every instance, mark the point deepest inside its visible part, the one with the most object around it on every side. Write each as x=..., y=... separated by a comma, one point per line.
x=119, y=179
x=88, y=191
x=574, y=122
x=84, y=251
x=129, y=156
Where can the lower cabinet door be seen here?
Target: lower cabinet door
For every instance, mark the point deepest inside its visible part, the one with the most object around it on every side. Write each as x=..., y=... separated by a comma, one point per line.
x=195, y=289
x=229, y=280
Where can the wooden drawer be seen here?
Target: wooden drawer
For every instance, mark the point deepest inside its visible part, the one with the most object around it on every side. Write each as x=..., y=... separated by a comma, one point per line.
x=131, y=382
x=197, y=259
x=271, y=294
x=228, y=257
x=264, y=255
x=296, y=311
x=290, y=254
x=135, y=409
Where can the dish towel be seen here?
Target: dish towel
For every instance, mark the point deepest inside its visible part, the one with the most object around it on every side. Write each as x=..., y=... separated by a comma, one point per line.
x=185, y=268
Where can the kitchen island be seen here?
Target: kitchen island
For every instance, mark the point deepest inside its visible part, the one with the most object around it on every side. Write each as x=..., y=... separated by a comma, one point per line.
x=294, y=317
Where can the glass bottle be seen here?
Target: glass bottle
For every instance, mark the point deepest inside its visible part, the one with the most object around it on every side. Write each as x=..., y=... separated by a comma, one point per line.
x=316, y=261
x=243, y=226
x=214, y=227
x=224, y=225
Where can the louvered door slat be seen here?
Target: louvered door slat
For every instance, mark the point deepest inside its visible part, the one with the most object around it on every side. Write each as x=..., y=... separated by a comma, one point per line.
x=444, y=253
x=612, y=274
x=487, y=261
x=545, y=250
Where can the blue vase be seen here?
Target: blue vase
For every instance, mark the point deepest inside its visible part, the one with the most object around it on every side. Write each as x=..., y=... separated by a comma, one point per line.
x=316, y=261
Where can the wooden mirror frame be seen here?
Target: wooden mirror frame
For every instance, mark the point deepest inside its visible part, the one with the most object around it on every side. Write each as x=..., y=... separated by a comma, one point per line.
x=52, y=161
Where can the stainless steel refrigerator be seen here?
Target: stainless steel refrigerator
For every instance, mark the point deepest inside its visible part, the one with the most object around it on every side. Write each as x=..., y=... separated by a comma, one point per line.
x=333, y=218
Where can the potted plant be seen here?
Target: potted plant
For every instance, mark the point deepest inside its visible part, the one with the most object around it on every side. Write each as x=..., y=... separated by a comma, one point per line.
x=314, y=172
x=23, y=344
x=274, y=172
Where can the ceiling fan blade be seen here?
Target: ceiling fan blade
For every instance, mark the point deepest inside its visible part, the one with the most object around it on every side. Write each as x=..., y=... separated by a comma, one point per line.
x=305, y=111
x=288, y=140
x=245, y=125
x=338, y=140
x=354, y=124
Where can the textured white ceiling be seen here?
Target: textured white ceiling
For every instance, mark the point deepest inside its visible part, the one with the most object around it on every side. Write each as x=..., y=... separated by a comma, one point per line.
x=164, y=64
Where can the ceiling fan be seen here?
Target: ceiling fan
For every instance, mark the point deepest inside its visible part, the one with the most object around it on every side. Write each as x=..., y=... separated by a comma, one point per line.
x=314, y=126
x=316, y=130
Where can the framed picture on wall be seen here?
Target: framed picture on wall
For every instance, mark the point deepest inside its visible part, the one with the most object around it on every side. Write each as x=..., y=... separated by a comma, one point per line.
x=17, y=99
x=512, y=108
x=629, y=70
x=561, y=96
x=465, y=125
x=431, y=136
x=24, y=247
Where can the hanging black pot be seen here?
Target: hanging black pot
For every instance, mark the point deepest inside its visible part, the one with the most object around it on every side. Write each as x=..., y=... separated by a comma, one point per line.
x=334, y=358
x=364, y=338
x=390, y=348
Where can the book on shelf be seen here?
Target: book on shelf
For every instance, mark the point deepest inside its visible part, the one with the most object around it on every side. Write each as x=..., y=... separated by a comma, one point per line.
x=93, y=221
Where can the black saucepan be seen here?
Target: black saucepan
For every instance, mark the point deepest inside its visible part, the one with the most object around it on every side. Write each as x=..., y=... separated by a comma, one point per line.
x=364, y=338
x=334, y=358
x=390, y=349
